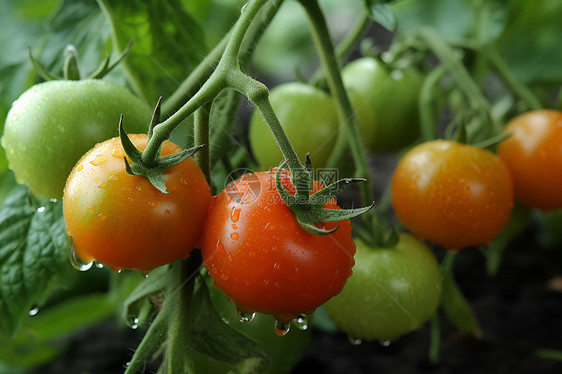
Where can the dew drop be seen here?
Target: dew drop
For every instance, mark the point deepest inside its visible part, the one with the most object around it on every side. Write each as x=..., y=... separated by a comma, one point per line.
x=100, y=159
x=245, y=317
x=281, y=328
x=243, y=8
x=98, y=264
x=144, y=275
x=33, y=310
x=167, y=213
x=80, y=167
x=133, y=321
x=102, y=185
x=354, y=341
x=385, y=343
x=301, y=321
x=152, y=204
x=41, y=209
x=118, y=152
x=77, y=263
x=235, y=214
x=234, y=236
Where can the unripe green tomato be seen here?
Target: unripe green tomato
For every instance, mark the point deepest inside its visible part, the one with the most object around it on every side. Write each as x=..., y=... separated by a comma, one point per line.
x=52, y=124
x=285, y=352
x=385, y=103
x=309, y=117
x=392, y=291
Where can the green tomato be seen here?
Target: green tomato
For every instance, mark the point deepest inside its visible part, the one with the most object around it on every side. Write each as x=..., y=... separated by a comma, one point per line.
x=285, y=352
x=392, y=291
x=385, y=103
x=310, y=120
x=52, y=124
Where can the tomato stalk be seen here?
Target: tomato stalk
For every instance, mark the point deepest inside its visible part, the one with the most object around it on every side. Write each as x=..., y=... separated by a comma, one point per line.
x=201, y=137
x=428, y=120
x=460, y=75
x=350, y=135
x=505, y=73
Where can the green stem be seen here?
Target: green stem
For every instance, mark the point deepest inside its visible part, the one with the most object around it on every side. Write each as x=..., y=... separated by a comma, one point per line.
x=516, y=85
x=346, y=45
x=426, y=105
x=459, y=74
x=323, y=42
x=435, y=338
x=201, y=137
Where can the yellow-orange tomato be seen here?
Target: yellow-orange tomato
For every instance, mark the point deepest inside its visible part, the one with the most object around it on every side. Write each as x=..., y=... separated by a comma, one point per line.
x=533, y=155
x=124, y=222
x=452, y=194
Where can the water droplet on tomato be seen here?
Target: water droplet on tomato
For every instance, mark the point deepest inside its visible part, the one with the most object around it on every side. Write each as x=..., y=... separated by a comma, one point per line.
x=301, y=321
x=118, y=152
x=77, y=263
x=144, y=275
x=385, y=343
x=234, y=226
x=245, y=317
x=234, y=236
x=98, y=264
x=100, y=159
x=80, y=167
x=33, y=310
x=102, y=185
x=167, y=213
x=235, y=214
x=354, y=341
x=281, y=328
x=152, y=204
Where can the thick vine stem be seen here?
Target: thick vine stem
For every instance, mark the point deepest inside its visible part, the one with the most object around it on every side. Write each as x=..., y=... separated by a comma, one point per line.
x=350, y=135
x=201, y=137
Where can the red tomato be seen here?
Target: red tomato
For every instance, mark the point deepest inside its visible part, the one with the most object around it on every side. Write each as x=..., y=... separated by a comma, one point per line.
x=257, y=253
x=533, y=155
x=122, y=220
x=452, y=194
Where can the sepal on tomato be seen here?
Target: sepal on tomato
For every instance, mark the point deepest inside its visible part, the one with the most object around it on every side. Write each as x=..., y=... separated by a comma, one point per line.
x=154, y=172
x=308, y=208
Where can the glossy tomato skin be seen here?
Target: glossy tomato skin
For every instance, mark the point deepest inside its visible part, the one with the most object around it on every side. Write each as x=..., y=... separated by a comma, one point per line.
x=533, y=155
x=122, y=220
x=285, y=352
x=309, y=118
x=257, y=253
x=52, y=124
x=385, y=102
x=452, y=194
x=392, y=291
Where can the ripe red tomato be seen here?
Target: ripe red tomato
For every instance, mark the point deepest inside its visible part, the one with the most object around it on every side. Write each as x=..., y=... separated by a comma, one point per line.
x=392, y=291
x=533, y=155
x=122, y=220
x=257, y=253
x=452, y=194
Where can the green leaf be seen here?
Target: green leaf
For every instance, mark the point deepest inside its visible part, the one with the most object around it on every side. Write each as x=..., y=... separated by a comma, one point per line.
x=382, y=14
x=43, y=337
x=33, y=256
x=168, y=43
x=457, y=21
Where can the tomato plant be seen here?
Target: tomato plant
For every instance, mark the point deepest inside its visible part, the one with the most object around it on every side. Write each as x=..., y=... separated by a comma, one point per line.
x=52, y=124
x=533, y=156
x=385, y=101
x=257, y=253
x=124, y=222
x=309, y=118
x=452, y=194
x=392, y=291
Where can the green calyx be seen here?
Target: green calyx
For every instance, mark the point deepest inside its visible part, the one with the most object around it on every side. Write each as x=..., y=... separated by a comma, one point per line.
x=71, y=70
x=308, y=208
x=152, y=168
